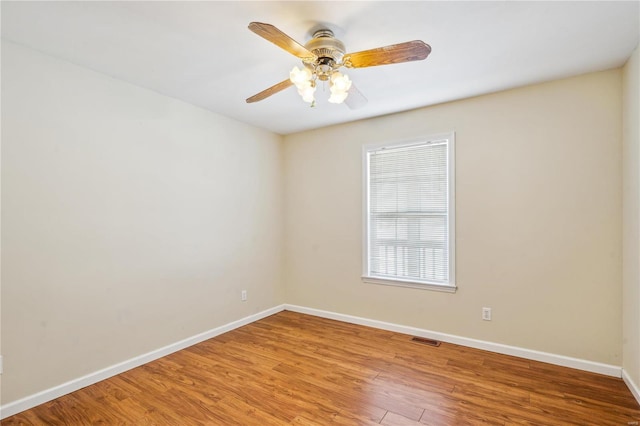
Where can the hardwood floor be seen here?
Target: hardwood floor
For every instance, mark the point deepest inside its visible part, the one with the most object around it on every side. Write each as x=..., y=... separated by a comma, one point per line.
x=297, y=369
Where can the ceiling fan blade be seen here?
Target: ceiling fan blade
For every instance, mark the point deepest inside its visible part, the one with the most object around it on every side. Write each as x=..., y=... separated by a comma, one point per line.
x=415, y=50
x=355, y=99
x=280, y=39
x=270, y=91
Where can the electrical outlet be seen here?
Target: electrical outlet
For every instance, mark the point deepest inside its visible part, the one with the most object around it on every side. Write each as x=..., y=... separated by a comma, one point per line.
x=486, y=314
x=1, y=365
x=244, y=295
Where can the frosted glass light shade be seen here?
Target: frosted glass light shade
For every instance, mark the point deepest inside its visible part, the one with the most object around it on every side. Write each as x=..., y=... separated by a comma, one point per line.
x=307, y=92
x=338, y=97
x=340, y=82
x=300, y=76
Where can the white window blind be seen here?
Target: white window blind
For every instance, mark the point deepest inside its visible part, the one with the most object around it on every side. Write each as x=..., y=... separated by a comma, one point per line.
x=408, y=214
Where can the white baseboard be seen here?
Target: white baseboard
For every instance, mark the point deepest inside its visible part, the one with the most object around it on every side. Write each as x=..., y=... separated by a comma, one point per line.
x=46, y=395
x=633, y=387
x=565, y=361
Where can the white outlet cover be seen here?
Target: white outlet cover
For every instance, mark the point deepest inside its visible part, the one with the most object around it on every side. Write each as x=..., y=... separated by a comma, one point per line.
x=486, y=314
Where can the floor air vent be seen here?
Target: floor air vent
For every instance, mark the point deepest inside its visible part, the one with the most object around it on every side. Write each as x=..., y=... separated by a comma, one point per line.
x=426, y=341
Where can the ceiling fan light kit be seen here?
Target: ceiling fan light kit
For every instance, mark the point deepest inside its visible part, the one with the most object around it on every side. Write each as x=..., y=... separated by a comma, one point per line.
x=305, y=81
x=323, y=55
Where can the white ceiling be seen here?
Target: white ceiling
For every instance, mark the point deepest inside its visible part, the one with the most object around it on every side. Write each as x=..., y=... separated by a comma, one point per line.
x=203, y=53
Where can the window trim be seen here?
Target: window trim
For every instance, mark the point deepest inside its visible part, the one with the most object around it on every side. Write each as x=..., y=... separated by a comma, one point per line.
x=451, y=210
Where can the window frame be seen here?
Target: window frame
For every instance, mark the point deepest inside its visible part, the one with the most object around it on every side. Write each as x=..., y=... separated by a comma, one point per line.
x=367, y=277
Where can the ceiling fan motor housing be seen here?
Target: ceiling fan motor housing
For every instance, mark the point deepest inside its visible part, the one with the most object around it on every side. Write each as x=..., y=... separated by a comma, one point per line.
x=329, y=51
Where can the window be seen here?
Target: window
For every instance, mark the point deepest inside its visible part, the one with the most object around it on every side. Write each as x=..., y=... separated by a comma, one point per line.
x=409, y=213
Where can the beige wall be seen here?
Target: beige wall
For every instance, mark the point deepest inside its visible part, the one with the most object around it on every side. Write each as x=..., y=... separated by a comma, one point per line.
x=538, y=174
x=130, y=221
x=631, y=219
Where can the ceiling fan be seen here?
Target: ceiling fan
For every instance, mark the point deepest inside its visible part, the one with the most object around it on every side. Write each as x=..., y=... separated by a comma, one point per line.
x=324, y=55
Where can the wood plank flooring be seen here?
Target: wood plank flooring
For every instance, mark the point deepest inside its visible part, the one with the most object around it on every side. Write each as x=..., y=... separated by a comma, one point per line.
x=291, y=368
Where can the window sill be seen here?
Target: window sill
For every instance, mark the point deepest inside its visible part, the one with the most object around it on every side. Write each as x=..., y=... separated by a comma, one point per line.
x=411, y=284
